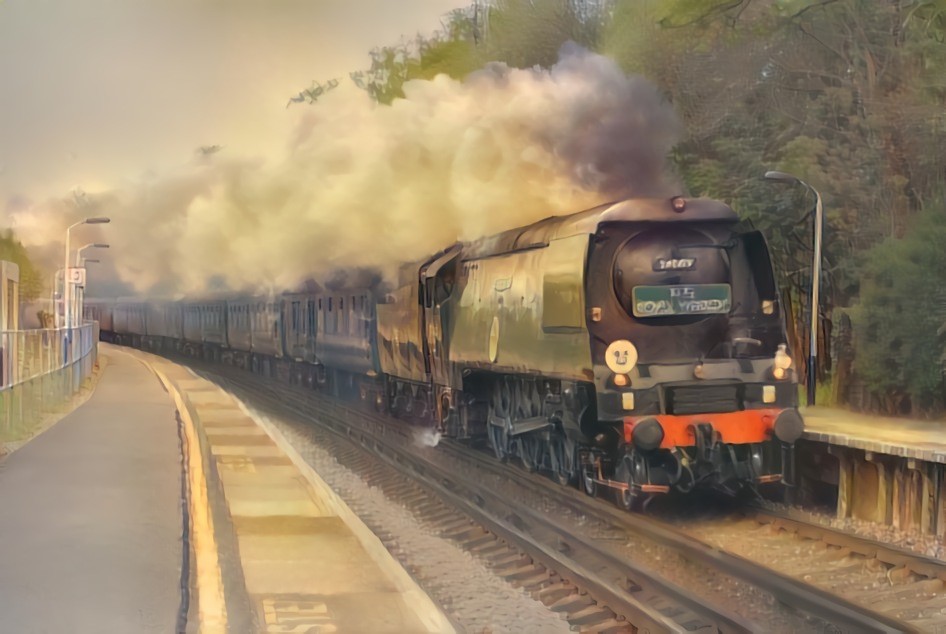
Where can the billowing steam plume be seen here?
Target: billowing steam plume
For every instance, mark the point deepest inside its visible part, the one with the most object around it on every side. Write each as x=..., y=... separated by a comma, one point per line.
x=371, y=186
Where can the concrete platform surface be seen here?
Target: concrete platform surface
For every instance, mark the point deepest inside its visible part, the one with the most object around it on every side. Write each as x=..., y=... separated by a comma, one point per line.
x=923, y=440
x=308, y=564
x=90, y=514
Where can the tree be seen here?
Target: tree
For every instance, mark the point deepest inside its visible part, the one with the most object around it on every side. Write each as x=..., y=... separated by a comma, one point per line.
x=12, y=250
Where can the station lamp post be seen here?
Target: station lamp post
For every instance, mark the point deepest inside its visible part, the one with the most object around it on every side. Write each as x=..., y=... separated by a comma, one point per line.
x=66, y=283
x=783, y=177
x=91, y=245
x=80, y=295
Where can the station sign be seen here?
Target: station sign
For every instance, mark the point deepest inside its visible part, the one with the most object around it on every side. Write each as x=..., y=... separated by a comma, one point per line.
x=77, y=276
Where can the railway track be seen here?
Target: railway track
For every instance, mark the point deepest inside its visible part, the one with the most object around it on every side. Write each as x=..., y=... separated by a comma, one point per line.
x=891, y=580
x=592, y=588
x=559, y=544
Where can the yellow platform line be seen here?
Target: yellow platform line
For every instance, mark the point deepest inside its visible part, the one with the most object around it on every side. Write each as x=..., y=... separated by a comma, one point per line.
x=211, y=604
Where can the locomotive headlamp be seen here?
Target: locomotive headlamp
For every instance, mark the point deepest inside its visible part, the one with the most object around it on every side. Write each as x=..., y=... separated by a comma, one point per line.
x=647, y=434
x=782, y=362
x=620, y=380
x=679, y=204
x=789, y=426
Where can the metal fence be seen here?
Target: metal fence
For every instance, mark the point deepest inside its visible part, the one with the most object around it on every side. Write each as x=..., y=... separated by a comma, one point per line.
x=40, y=372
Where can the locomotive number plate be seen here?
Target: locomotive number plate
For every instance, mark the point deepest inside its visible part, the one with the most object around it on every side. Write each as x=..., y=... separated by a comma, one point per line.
x=684, y=299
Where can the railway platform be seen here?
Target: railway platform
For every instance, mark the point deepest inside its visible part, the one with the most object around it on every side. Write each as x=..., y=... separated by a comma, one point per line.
x=276, y=549
x=91, y=515
x=890, y=471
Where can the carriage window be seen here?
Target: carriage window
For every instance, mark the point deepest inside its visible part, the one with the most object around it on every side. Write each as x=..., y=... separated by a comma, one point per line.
x=352, y=318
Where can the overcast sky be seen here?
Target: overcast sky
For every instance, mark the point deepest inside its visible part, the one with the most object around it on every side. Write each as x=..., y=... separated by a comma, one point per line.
x=93, y=92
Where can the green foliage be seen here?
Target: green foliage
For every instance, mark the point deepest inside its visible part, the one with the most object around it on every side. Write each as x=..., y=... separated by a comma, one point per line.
x=901, y=310
x=520, y=33
x=12, y=250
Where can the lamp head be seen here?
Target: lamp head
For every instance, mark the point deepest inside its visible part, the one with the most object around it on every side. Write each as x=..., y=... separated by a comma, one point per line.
x=97, y=220
x=781, y=177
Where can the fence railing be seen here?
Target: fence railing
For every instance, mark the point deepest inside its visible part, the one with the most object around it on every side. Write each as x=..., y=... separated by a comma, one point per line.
x=40, y=372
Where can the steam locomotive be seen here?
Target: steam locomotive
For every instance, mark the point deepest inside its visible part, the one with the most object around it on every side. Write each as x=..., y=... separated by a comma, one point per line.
x=638, y=346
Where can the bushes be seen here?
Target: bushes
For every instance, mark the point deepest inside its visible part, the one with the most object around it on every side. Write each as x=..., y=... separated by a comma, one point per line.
x=900, y=317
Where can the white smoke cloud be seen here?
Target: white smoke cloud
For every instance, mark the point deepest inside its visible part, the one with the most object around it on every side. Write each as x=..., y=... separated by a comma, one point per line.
x=370, y=185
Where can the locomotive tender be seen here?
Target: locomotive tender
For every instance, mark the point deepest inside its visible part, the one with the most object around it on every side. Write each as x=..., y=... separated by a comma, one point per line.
x=638, y=345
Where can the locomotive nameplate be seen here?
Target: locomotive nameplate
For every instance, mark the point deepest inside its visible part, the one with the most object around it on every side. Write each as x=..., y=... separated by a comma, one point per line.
x=674, y=264
x=688, y=299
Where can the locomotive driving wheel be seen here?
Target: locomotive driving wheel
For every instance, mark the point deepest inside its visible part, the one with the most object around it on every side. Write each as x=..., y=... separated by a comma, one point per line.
x=531, y=451
x=497, y=440
x=562, y=458
x=498, y=435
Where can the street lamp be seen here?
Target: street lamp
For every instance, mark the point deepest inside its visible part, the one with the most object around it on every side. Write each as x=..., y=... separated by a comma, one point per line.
x=91, y=245
x=80, y=295
x=97, y=220
x=783, y=177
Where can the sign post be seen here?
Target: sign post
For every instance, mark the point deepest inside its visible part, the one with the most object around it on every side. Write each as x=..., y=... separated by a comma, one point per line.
x=76, y=278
